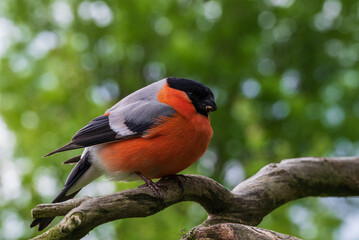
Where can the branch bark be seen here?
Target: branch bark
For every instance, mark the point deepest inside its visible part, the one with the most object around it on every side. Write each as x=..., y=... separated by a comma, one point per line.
x=231, y=231
x=246, y=204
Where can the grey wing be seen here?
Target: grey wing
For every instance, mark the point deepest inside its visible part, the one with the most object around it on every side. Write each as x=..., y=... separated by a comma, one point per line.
x=136, y=118
x=121, y=123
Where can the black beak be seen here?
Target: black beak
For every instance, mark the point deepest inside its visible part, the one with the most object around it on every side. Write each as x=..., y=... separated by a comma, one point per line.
x=210, y=105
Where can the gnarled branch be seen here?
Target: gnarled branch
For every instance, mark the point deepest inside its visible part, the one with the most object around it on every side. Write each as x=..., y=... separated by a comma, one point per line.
x=246, y=204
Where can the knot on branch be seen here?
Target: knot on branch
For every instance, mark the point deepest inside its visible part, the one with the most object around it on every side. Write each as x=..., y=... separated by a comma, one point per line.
x=72, y=222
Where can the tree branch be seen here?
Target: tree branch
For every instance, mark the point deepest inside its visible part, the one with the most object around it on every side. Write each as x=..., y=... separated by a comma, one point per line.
x=230, y=231
x=248, y=203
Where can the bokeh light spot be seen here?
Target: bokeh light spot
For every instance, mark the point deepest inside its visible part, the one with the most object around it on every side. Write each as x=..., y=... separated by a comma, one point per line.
x=266, y=66
x=234, y=173
x=266, y=19
x=42, y=44
x=19, y=63
x=9, y=34
x=105, y=93
x=48, y=81
x=251, y=88
x=282, y=32
x=13, y=226
x=331, y=94
x=325, y=19
x=45, y=182
x=154, y=71
x=10, y=185
x=62, y=13
x=7, y=143
x=280, y=110
x=303, y=218
x=343, y=147
x=162, y=26
x=333, y=116
x=207, y=163
x=98, y=11
x=212, y=10
x=289, y=82
x=30, y=120
x=280, y=3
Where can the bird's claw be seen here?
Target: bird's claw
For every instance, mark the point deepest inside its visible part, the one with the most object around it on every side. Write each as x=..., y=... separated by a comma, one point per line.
x=155, y=187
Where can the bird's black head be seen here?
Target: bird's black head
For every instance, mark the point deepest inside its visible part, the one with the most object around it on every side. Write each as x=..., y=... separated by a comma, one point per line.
x=201, y=96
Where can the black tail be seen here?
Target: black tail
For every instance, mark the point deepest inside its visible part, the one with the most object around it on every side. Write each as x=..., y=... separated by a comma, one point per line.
x=81, y=167
x=44, y=222
x=69, y=146
x=72, y=160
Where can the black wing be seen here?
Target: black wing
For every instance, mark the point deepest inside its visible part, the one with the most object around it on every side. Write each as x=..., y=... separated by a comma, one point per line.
x=95, y=132
x=129, y=122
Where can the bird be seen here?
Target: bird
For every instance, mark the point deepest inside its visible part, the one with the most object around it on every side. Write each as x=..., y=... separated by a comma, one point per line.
x=154, y=132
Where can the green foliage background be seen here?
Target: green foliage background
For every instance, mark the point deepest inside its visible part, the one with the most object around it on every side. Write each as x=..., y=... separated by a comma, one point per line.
x=284, y=72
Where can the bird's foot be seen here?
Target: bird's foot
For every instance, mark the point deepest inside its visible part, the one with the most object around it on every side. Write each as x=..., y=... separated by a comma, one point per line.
x=153, y=186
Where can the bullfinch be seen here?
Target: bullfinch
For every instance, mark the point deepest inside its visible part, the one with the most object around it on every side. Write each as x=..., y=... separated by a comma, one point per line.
x=154, y=132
